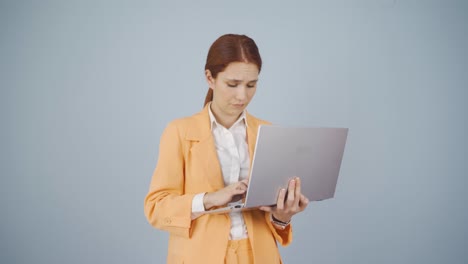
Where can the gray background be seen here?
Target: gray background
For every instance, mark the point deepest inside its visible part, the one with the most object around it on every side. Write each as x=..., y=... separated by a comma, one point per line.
x=88, y=86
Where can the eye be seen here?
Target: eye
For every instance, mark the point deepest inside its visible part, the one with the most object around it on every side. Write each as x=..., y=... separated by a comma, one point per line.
x=232, y=85
x=251, y=85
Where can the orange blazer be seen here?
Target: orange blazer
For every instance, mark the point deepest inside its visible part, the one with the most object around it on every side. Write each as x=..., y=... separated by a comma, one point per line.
x=187, y=165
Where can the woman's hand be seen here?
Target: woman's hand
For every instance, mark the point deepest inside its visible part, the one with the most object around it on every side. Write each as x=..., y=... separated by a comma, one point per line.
x=224, y=195
x=286, y=207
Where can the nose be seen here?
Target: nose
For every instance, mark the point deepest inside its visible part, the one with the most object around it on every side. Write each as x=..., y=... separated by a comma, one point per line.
x=241, y=94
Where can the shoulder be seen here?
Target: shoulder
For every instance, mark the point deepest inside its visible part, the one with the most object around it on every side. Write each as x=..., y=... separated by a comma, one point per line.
x=181, y=125
x=251, y=119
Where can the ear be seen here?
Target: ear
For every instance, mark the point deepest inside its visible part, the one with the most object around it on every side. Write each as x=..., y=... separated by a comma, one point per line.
x=209, y=79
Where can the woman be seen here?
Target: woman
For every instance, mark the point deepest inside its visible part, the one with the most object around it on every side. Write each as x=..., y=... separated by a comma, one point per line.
x=204, y=162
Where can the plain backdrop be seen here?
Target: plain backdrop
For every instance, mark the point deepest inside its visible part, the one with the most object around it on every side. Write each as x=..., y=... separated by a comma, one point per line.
x=87, y=88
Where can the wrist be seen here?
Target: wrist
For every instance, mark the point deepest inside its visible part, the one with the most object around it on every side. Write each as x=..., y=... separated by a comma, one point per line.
x=279, y=224
x=280, y=220
x=207, y=201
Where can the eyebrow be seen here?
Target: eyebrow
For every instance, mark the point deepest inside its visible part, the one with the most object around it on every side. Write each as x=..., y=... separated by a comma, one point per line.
x=238, y=81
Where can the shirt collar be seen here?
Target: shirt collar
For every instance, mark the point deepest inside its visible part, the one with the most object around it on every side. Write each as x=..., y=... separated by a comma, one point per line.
x=214, y=122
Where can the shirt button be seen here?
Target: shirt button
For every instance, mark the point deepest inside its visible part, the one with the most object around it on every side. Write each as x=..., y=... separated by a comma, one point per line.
x=167, y=220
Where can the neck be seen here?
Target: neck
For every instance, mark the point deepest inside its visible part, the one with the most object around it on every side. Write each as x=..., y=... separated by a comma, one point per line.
x=225, y=120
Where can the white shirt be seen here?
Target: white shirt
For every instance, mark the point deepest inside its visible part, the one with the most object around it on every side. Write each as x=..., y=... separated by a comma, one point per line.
x=233, y=154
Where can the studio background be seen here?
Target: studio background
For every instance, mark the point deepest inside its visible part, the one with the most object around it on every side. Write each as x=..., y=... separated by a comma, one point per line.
x=87, y=88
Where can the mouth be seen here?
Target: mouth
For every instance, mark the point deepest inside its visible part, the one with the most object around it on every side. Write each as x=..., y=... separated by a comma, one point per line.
x=238, y=105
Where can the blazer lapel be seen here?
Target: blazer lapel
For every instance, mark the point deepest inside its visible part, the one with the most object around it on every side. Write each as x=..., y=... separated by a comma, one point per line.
x=252, y=129
x=205, y=151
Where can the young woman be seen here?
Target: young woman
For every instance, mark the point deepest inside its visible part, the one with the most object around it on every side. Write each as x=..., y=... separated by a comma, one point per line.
x=204, y=161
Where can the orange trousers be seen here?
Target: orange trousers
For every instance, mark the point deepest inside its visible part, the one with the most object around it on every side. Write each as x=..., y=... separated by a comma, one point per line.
x=239, y=252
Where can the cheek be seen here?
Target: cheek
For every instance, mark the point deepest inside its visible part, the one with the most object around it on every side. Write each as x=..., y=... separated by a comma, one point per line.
x=251, y=92
x=224, y=94
x=229, y=93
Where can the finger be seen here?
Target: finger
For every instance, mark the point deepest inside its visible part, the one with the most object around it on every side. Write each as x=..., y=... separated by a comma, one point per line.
x=238, y=192
x=266, y=208
x=238, y=188
x=242, y=185
x=303, y=202
x=281, y=198
x=236, y=198
x=291, y=188
x=298, y=191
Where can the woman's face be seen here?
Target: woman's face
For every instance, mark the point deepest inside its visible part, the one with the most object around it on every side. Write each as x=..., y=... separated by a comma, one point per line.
x=233, y=89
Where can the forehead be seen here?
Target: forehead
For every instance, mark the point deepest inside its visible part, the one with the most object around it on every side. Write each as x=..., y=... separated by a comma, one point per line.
x=240, y=71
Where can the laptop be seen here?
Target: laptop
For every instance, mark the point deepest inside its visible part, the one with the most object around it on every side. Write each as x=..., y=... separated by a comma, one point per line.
x=313, y=154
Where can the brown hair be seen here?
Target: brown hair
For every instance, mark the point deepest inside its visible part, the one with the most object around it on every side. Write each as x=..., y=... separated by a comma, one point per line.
x=230, y=48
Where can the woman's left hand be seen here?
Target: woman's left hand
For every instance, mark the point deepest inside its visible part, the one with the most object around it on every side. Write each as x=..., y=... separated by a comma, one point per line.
x=286, y=207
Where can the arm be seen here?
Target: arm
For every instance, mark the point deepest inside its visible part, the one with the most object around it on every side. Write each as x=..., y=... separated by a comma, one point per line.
x=283, y=236
x=285, y=209
x=167, y=207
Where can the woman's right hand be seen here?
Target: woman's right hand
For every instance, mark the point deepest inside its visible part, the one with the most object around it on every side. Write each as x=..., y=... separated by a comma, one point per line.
x=224, y=195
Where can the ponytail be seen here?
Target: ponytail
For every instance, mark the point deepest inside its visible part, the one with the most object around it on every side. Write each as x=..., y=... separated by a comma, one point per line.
x=209, y=96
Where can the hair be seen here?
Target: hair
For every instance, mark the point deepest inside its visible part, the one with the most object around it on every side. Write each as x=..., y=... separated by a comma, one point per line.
x=230, y=48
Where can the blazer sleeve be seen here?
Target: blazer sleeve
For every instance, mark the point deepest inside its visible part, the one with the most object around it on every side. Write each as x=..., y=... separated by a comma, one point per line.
x=284, y=237
x=166, y=206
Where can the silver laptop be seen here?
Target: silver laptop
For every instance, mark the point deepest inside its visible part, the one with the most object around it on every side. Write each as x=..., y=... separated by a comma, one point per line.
x=281, y=153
